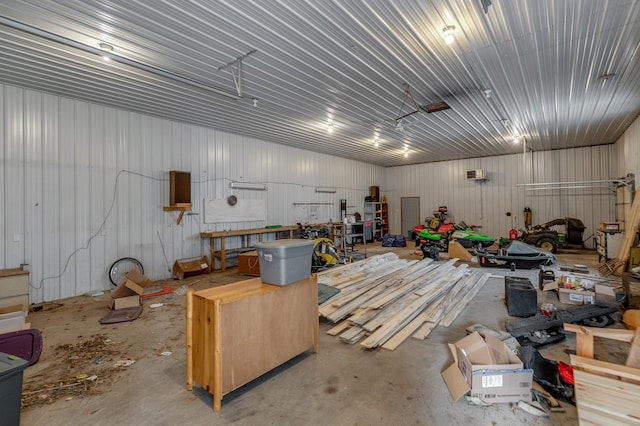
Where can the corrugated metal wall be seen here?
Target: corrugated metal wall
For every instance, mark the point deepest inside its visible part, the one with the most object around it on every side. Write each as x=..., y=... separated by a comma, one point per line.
x=486, y=203
x=628, y=149
x=83, y=185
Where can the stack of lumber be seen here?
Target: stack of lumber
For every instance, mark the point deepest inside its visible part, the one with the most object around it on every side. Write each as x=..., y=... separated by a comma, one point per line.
x=383, y=300
x=616, y=265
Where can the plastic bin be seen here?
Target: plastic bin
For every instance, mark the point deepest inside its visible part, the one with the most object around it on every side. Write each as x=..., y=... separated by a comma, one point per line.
x=521, y=297
x=11, y=369
x=284, y=262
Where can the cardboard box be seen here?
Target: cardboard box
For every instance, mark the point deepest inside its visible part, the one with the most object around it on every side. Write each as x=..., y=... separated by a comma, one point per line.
x=127, y=293
x=125, y=302
x=576, y=297
x=137, y=282
x=487, y=369
x=249, y=263
x=183, y=268
x=602, y=293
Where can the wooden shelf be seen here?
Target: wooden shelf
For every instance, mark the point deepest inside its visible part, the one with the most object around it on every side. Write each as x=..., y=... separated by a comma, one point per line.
x=182, y=207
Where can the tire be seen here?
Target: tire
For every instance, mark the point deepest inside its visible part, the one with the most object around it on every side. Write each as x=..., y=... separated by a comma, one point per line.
x=547, y=244
x=121, y=267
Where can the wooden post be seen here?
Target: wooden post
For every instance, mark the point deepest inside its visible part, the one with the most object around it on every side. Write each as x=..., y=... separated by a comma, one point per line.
x=189, y=332
x=217, y=355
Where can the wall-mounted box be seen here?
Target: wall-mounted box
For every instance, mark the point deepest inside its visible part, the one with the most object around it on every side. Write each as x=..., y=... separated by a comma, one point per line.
x=179, y=189
x=476, y=174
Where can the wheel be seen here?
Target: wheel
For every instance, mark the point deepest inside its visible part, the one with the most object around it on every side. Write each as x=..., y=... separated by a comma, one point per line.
x=121, y=267
x=547, y=244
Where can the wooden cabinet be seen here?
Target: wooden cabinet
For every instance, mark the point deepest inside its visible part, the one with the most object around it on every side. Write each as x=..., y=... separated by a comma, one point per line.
x=239, y=331
x=14, y=288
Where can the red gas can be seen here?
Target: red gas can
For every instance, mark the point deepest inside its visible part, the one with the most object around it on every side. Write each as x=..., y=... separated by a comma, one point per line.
x=513, y=234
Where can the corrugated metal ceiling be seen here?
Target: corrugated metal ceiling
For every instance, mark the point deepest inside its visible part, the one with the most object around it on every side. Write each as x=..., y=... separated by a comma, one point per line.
x=531, y=67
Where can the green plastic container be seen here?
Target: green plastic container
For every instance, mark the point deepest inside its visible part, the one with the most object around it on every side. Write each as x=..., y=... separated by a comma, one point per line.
x=562, y=238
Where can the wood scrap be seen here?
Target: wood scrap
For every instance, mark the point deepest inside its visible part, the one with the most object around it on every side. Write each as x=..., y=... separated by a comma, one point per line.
x=342, y=326
x=352, y=335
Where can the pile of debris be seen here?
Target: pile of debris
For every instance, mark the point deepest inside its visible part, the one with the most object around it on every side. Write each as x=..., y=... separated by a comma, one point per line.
x=383, y=300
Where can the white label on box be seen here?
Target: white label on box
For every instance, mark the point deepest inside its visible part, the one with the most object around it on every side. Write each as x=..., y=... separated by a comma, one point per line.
x=492, y=381
x=268, y=257
x=576, y=297
x=589, y=299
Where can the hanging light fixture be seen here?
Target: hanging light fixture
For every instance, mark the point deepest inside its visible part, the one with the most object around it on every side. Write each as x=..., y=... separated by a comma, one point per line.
x=330, y=128
x=448, y=33
x=106, y=47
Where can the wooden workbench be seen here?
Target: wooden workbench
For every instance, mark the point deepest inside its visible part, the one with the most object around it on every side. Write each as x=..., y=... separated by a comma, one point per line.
x=218, y=250
x=237, y=332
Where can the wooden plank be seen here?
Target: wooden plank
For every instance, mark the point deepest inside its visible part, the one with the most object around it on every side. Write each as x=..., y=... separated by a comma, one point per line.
x=602, y=367
x=363, y=316
x=339, y=328
x=352, y=335
x=407, y=314
x=633, y=359
x=404, y=334
x=610, y=333
x=609, y=396
x=451, y=316
x=425, y=330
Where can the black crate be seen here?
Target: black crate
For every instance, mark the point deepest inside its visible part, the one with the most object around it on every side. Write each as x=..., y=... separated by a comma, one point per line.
x=521, y=297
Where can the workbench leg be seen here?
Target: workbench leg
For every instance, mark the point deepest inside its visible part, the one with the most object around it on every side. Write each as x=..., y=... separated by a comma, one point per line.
x=223, y=256
x=212, y=252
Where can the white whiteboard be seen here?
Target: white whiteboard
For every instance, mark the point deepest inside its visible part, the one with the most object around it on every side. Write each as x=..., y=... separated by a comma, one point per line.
x=217, y=211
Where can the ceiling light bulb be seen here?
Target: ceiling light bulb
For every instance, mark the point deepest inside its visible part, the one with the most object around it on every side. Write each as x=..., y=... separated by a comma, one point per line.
x=376, y=144
x=448, y=33
x=406, y=154
x=330, y=128
x=254, y=101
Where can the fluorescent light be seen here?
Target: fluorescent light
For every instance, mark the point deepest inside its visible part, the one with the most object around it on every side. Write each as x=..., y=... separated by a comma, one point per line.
x=246, y=185
x=326, y=189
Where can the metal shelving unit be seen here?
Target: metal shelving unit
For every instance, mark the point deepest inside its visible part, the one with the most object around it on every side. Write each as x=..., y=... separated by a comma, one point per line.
x=378, y=214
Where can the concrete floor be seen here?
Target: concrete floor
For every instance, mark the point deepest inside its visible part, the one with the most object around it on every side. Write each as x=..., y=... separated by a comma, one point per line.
x=341, y=385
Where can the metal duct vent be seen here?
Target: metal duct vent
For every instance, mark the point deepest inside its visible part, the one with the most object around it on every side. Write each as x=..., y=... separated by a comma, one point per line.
x=435, y=107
